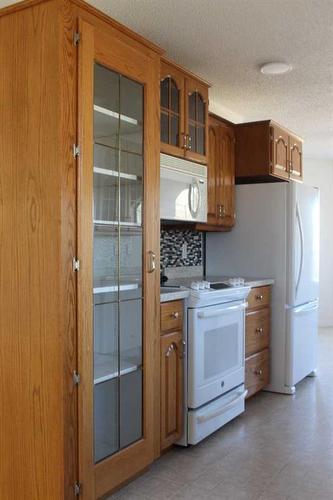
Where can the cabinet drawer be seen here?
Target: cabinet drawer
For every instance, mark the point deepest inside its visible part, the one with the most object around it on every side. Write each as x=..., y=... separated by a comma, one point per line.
x=259, y=297
x=172, y=316
x=257, y=372
x=257, y=330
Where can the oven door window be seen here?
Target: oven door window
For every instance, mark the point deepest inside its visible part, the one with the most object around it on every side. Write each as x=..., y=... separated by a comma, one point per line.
x=220, y=343
x=216, y=351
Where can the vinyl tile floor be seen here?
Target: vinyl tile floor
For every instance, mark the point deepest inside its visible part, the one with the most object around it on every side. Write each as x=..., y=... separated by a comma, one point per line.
x=281, y=448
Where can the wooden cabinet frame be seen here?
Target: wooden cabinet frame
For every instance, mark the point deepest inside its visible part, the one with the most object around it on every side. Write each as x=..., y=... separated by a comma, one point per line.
x=220, y=176
x=267, y=152
x=169, y=71
x=187, y=83
x=117, y=52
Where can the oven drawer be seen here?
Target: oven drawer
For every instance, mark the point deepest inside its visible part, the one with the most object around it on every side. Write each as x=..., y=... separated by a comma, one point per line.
x=207, y=419
x=259, y=297
x=257, y=372
x=172, y=316
x=257, y=330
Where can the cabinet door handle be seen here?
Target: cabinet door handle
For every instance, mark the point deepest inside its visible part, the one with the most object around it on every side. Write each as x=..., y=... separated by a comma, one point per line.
x=183, y=354
x=152, y=261
x=189, y=142
x=170, y=349
x=221, y=211
x=184, y=141
x=175, y=314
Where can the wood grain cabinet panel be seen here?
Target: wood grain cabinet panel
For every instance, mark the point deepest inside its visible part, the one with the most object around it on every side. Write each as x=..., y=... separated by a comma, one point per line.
x=267, y=152
x=257, y=372
x=257, y=339
x=171, y=388
x=220, y=176
x=171, y=316
x=259, y=297
x=280, y=152
x=257, y=330
x=296, y=158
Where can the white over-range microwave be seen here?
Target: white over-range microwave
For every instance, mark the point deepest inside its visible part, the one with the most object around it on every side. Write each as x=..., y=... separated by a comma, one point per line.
x=183, y=190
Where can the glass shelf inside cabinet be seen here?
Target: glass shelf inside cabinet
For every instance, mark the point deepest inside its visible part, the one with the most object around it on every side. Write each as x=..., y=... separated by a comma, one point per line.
x=117, y=275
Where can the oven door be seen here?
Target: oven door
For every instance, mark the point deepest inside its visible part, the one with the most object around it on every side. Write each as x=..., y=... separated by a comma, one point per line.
x=215, y=351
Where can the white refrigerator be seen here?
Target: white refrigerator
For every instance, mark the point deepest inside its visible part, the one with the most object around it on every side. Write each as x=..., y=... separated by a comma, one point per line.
x=277, y=236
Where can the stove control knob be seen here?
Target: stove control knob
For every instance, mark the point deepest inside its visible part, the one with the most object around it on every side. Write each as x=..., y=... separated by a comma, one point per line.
x=195, y=285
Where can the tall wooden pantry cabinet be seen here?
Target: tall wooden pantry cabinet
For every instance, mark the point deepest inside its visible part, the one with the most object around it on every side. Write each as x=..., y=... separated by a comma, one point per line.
x=79, y=251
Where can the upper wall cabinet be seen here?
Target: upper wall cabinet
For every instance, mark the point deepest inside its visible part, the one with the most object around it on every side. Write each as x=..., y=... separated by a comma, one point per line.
x=221, y=176
x=184, y=114
x=267, y=152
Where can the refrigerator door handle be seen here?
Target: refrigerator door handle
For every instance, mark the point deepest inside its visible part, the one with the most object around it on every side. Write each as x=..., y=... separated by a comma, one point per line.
x=311, y=306
x=300, y=227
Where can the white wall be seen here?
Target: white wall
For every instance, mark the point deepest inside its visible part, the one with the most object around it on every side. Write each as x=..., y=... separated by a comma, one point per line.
x=319, y=173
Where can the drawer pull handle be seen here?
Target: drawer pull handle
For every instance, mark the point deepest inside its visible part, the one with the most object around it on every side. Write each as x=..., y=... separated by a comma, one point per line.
x=259, y=297
x=260, y=331
x=258, y=372
x=175, y=314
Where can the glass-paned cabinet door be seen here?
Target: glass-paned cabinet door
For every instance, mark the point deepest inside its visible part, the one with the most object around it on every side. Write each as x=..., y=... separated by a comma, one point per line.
x=170, y=112
x=117, y=267
x=197, y=123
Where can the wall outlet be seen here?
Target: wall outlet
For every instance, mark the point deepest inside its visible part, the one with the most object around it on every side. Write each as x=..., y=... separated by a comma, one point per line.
x=184, y=250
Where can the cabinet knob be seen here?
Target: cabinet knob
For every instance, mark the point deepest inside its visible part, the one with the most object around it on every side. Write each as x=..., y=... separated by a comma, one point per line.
x=175, y=314
x=258, y=372
x=260, y=331
x=259, y=297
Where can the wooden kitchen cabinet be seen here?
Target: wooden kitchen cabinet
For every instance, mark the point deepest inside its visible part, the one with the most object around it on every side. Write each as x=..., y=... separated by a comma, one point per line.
x=172, y=379
x=267, y=152
x=184, y=113
x=257, y=339
x=172, y=372
x=221, y=176
x=80, y=389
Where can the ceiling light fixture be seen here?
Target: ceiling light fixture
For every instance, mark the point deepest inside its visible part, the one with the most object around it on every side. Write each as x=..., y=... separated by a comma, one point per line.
x=275, y=68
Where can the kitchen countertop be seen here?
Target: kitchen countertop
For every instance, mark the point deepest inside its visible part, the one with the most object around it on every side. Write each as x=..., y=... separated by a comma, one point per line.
x=168, y=293
x=179, y=293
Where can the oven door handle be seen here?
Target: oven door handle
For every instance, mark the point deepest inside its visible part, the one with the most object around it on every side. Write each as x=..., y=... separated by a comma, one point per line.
x=219, y=312
x=203, y=418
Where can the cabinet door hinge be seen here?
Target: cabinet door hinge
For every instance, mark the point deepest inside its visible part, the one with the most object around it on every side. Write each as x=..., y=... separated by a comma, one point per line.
x=76, y=377
x=76, y=38
x=77, y=488
x=76, y=264
x=76, y=150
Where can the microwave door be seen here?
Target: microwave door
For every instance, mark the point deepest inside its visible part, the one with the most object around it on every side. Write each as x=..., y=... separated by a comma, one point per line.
x=183, y=196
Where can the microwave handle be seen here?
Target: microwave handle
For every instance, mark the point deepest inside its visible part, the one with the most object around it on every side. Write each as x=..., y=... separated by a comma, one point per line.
x=219, y=312
x=194, y=185
x=203, y=418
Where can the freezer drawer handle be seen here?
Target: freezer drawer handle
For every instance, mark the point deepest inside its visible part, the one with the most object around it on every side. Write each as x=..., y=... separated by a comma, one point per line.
x=220, y=312
x=203, y=418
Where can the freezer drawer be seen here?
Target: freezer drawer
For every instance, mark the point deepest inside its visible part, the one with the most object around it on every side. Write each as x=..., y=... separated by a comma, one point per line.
x=210, y=417
x=302, y=342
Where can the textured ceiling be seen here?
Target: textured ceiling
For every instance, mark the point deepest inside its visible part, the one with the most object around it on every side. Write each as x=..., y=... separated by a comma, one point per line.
x=225, y=41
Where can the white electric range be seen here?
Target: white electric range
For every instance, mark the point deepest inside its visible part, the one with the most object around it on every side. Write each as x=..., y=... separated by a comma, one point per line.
x=215, y=363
